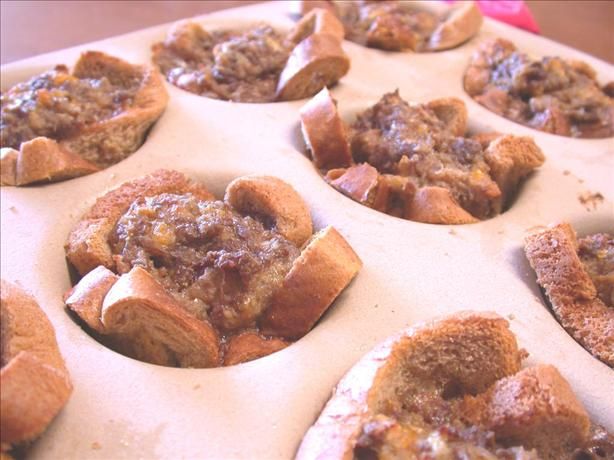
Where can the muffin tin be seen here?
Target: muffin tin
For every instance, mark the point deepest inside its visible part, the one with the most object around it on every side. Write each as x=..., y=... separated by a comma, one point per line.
x=122, y=408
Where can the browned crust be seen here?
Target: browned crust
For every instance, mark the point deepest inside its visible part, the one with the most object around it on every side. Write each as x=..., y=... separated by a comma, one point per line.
x=100, y=144
x=87, y=296
x=149, y=325
x=274, y=199
x=8, y=166
x=317, y=20
x=44, y=160
x=535, y=408
x=464, y=22
x=34, y=379
x=453, y=112
x=249, y=346
x=87, y=245
x=387, y=33
x=553, y=254
x=316, y=62
x=112, y=140
x=325, y=267
x=324, y=132
x=473, y=350
x=511, y=159
x=436, y=205
x=362, y=183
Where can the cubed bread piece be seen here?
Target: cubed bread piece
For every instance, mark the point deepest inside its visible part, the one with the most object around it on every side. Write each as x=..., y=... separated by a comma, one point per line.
x=319, y=21
x=511, y=159
x=390, y=32
x=44, y=160
x=453, y=112
x=436, y=205
x=463, y=22
x=275, y=200
x=34, y=379
x=535, y=408
x=87, y=296
x=8, y=166
x=325, y=267
x=553, y=254
x=316, y=62
x=325, y=133
x=362, y=183
x=248, y=346
x=148, y=324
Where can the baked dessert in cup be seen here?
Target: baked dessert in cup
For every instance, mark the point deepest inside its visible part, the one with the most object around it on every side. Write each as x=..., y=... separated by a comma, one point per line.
x=59, y=125
x=551, y=94
x=172, y=276
x=454, y=388
x=258, y=64
x=577, y=276
x=402, y=25
x=34, y=380
x=416, y=161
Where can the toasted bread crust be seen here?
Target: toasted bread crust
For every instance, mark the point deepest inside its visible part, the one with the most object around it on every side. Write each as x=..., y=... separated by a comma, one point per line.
x=436, y=205
x=319, y=21
x=453, y=112
x=512, y=158
x=314, y=63
x=44, y=160
x=325, y=267
x=248, y=346
x=463, y=23
x=152, y=327
x=423, y=356
x=34, y=379
x=87, y=296
x=8, y=166
x=276, y=200
x=535, y=408
x=101, y=144
x=553, y=255
x=324, y=132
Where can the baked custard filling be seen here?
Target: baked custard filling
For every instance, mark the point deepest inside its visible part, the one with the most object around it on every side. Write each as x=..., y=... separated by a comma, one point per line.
x=389, y=25
x=552, y=94
x=229, y=65
x=413, y=144
x=221, y=266
x=57, y=105
x=597, y=254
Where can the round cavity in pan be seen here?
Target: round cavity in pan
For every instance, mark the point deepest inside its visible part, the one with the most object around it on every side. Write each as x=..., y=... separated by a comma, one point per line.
x=574, y=263
x=420, y=162
x=251, y=62
x=172, y=276
x=59, y=124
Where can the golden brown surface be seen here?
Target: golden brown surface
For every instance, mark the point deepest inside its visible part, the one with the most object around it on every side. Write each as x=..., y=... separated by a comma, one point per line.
x=553, y=254
x=34, y=379
x=450, y=387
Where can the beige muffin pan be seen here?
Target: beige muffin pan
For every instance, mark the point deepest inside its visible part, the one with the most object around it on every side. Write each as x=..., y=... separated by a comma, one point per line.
x=122, y=408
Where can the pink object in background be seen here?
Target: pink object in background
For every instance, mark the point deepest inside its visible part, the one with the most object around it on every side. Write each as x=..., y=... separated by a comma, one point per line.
x=513, y=12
